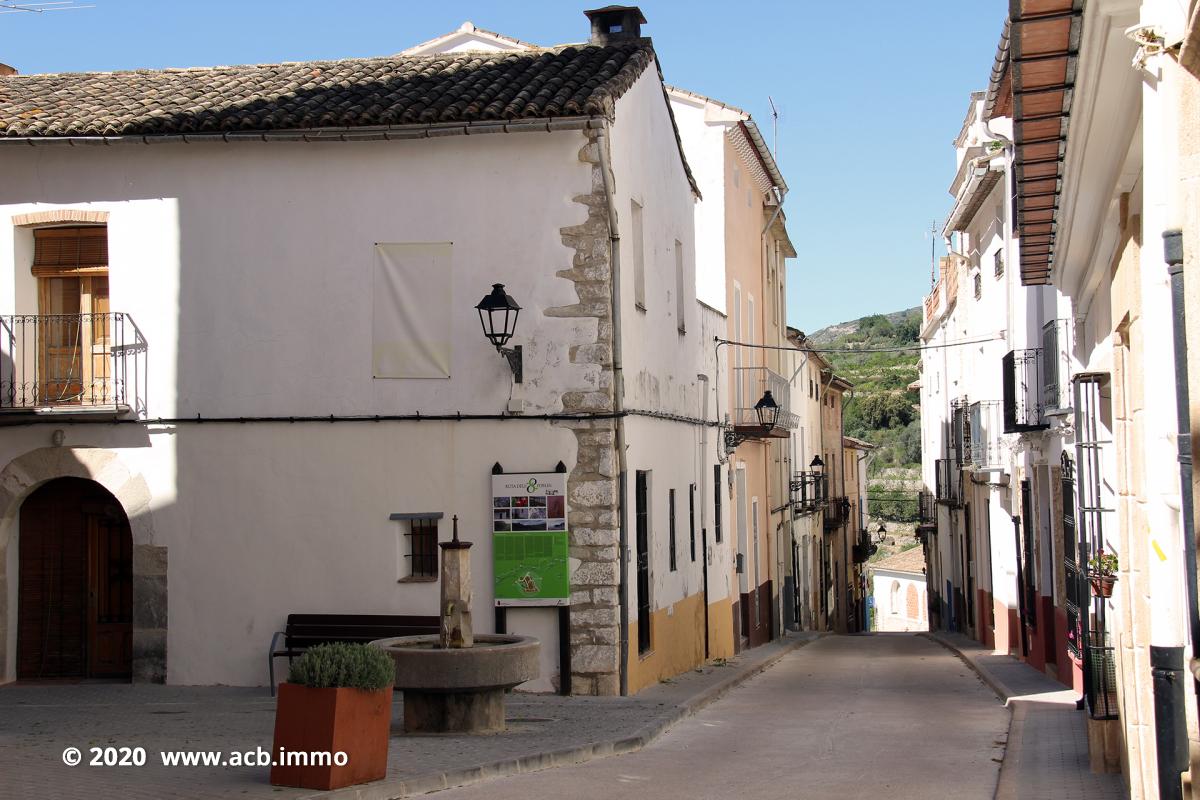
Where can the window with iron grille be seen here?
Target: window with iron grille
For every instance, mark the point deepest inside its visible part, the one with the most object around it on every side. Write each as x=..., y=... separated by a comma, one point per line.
x=978, y=285
x=692, y=518
x=717, y=503
x=422, y=536
x=999, y=263
x=671, y=522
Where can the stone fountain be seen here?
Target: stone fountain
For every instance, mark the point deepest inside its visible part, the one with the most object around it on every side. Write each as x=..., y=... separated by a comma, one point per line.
x=456, y=682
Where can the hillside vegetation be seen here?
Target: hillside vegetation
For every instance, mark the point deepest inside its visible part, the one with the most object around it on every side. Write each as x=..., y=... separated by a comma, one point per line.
x=882, y=409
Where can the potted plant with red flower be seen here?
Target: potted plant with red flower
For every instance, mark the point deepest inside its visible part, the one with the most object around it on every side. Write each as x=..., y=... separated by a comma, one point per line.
x=333, y=718
x=1102, y=573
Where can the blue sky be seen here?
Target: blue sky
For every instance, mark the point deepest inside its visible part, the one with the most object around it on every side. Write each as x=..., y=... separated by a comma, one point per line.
x=871, y=94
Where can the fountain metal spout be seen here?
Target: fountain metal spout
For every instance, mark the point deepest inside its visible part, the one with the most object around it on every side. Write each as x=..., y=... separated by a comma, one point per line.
x=456, y=631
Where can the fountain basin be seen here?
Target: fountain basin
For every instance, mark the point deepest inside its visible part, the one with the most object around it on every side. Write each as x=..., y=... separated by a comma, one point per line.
x=459, y=690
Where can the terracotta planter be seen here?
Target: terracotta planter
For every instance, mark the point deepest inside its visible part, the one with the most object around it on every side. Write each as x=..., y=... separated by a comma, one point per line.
x=1102, y=585
x=350, y=721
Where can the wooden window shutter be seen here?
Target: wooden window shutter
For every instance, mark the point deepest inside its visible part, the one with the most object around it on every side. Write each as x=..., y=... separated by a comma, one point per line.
x=73, y=249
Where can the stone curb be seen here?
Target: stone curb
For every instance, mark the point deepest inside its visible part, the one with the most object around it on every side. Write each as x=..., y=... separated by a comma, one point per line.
x=534, y=762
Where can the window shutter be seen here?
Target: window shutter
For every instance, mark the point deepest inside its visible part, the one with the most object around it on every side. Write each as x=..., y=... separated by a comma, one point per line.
x=67, y=249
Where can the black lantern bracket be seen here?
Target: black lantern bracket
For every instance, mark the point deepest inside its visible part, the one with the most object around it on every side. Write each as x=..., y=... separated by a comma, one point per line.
x=515, y=361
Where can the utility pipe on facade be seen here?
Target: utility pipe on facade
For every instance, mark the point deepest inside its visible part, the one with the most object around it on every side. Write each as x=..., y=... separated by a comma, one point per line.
x=618, y=389
x=1167, y=664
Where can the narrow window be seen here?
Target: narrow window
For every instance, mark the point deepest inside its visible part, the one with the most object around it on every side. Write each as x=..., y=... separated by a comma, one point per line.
x=418, y=540
x=999, y=263
x=717, y=502
x=671, y=523
x=642, y=524
x=978, y=285
x=639, y=255
x=680, y=289
x=692, y=519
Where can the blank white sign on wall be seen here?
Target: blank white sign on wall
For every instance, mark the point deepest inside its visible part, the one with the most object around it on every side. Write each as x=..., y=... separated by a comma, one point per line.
x=411, y=310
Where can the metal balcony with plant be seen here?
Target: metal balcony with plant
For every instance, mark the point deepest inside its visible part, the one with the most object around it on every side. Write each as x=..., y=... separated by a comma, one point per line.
x=72, y=363
x=808, y=490
x=837, y=512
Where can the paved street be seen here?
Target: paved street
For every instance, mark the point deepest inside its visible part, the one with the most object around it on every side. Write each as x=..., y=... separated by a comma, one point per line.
x=889, y=715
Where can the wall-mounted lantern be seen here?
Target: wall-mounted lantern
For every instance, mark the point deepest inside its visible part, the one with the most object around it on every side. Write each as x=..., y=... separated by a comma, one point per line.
x=498, y=314
x=768, y=411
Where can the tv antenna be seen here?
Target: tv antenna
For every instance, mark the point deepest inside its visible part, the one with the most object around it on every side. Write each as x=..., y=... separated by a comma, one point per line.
x=774, y=129
x=933, y=253
x=15, y=7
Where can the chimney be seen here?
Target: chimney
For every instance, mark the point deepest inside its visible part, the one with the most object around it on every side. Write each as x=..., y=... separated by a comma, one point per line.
x=615, y=24
x=6, y=70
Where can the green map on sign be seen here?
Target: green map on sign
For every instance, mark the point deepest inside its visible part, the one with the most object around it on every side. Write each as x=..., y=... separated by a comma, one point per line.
x=531, y=565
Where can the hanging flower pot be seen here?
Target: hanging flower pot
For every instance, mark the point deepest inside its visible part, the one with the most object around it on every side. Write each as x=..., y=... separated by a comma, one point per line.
x=1102, y=572
x=1102, y=585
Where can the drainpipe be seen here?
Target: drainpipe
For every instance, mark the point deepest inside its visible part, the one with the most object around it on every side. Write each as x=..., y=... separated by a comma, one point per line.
x=1167, y=663
x=614, y=260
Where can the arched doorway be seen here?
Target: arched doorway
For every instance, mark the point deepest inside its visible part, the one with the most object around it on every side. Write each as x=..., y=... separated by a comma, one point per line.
x=75, y=595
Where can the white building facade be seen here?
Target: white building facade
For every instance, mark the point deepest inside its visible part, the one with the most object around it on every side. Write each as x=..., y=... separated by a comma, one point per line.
x=274, y=373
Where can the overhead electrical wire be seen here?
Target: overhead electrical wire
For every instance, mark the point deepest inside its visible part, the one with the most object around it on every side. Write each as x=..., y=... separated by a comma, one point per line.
x=900, y=349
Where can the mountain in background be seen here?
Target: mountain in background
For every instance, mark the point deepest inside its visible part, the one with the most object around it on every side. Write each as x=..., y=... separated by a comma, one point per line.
x=882, y=409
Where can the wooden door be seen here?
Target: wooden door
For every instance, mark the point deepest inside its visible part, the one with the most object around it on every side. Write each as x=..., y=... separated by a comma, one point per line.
x=52, y=587
x=110, y=591
x=75, y=588
x=61, y=354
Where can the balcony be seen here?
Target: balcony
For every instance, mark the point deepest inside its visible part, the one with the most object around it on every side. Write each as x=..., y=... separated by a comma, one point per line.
x=926, y=510
x=1056, y=367
x=1024, y=404
x=837, y=512
x=749, y=385
x=808, y=490
x=949, y=481
x=985, y=426
x=72, y=364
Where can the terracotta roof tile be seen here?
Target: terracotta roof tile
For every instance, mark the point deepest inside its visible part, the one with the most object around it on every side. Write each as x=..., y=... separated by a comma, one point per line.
x=396, y=90
x=911, y=560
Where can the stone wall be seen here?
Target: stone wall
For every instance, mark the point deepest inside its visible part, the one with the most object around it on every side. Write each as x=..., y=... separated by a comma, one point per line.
x=592, y=486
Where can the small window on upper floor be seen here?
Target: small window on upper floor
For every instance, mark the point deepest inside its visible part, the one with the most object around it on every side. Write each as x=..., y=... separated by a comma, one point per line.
x=978, y=285
x=639, y=255
x=999, y=263
x=680, y=289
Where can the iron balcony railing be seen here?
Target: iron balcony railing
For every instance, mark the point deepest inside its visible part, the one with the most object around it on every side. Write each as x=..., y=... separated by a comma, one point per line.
x=926, y=509
x=71, y=362
x=949, y=481
x=837, y=512
x=1056, y=366
x=986, y=430
x=1024, y=404
x=749, y=385
x=808, y=490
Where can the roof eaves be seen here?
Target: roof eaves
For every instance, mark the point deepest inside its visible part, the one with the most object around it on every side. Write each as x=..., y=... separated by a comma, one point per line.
x=999, y=69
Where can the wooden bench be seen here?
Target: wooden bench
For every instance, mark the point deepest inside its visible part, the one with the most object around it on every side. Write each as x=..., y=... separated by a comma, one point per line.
x=308, y=630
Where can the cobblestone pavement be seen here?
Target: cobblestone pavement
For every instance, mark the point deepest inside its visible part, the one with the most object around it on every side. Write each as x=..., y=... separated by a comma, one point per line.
x=38, y=722
x=1047, y=757
x=881, y=716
